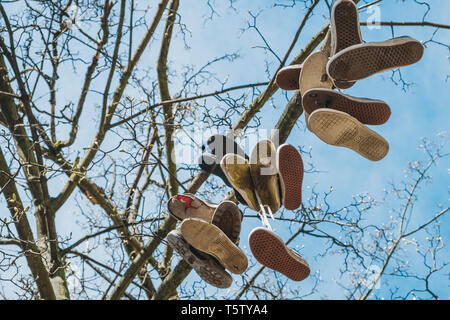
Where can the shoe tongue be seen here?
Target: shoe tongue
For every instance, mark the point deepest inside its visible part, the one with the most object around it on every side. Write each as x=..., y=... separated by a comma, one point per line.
x=186, y=200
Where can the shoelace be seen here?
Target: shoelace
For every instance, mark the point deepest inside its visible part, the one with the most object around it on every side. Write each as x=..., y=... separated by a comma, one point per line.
x=263, y=214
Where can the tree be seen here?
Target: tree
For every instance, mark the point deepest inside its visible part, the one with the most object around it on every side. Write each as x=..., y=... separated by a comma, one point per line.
x=90, y=107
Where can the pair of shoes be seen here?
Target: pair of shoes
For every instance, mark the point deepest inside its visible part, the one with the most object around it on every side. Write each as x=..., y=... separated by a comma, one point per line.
x=207, y=237
x=271, y=177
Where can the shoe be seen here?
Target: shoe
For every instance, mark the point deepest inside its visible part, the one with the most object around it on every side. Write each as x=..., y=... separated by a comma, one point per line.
x=270, y=251
x=187, y=205
x=345, y=31
x=209, y=239
x=227, y=217
x=290, y=171
x=211, y=164
x=206, y=266
x=367, y=111
x=363, y=60
x=264, y=174
x=237, y=171
x=287, y=78
x=220, y=145
x=338, y=128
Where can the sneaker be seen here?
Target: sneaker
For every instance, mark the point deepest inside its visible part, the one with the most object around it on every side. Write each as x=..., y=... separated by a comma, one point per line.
x=220, y=145
x=345, y=31
x=270, y=251
x=287, y=78
x=237, y=171
x=227, y=217
x=367, y=111
x=206, y=266
x=209, y=239
x=338, y=128
x=187, y=205
x=363, y=60
x=264, y=174
x=290, y=172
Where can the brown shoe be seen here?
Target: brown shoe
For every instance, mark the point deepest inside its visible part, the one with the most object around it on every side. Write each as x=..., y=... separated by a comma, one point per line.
x=367, y=111
x=237, y=170
x=269, y=250
x=208, y=238
x=338, y=128
x=290, y=171
x=264, y=174
x=363, y=60
x=345, y=31
x=227, y=217
x=187, y=205
x=287, y=77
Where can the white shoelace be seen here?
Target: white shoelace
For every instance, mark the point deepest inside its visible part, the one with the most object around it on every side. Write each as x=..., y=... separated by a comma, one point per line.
x=263, y=213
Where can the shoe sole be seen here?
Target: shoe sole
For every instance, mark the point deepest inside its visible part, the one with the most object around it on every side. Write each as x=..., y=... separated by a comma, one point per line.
x=363, y=60
x=367, y=111
x=270, y=251
x=227, y=218
x=314, y=73
x=264, y=174
x=340, y=129
x=210, y=239
x=345, y=30
x=290, y=170
x=240, y=182
x=287, y=78
x=214, y=275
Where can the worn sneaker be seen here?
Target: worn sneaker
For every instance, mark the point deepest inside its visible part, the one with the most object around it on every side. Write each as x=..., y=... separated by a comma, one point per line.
x=287, y=78
x=237, y=170
x=345, y=31
x=264, y=174
x=363, y=60
x=367, y=111
x=341, y=129
x=208, y=238
x=187, y=205
x=221, y=145
x=205, y=265
x=269, y=250
x=227, y=217
x=290, y=171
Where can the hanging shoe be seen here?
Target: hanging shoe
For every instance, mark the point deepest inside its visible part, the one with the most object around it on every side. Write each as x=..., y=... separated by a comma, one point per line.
x=206, y=266
x=209, y=239
x=287, y=78
x=220, y=145
x=363, y=60
x=237, y=171
x=367, y=111
x=314, y=75
x=345, y=31
x=290, y=171
x=338, y=128
x=270, y=251
x=227, y=217
x=264, y=174
x=187, y=205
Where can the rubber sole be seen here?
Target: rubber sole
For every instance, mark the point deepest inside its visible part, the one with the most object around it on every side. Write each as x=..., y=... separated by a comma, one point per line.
x=287, y=78
x=264, y=174
x=363, y=60
x=345, y=31
x=314, y=73
x=269, y=250
x=340, y=129
x=227, y=218
x=210, y=239
x=367, y=111
x=290, y=170
x=205, y=266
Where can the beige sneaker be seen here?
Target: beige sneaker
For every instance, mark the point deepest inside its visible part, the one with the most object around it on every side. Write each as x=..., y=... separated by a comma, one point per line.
x=340, y=129
x=183, y=206
x=208, y=238
x=264, y=174
x=237, y=171
x=269, y=250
